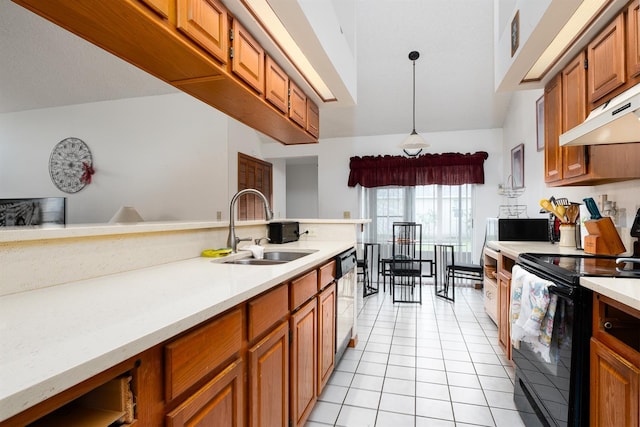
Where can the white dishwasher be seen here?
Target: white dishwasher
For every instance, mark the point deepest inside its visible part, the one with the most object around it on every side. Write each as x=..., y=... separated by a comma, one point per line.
x=346, y=300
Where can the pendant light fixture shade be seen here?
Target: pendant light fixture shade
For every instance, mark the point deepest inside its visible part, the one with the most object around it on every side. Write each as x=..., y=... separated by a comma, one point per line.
x=414, y=141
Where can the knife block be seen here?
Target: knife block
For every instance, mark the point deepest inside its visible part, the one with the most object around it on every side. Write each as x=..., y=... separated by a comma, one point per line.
x=603, y=238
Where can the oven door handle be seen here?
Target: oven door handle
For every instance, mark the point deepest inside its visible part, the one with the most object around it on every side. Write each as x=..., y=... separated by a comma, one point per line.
x=561, y=291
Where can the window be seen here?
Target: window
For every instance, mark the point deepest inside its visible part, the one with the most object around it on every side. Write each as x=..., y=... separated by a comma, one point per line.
x=445, y=212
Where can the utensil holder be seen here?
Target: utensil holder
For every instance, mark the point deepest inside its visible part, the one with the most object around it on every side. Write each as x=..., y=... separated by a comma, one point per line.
x=567, y=235
x=603, y=238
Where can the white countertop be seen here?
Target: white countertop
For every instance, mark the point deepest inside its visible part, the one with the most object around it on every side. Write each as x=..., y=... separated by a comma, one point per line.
x=626, y=291
x=56, y=337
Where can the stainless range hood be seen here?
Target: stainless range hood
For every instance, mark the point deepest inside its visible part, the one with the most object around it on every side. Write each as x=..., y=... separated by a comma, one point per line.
x=616, y=121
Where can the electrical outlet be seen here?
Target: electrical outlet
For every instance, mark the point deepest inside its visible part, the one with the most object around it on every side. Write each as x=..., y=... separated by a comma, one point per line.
x=218, y=215
x=346, y=214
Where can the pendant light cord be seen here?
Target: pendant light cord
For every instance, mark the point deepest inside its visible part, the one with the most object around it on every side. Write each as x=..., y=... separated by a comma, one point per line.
x=414, y=96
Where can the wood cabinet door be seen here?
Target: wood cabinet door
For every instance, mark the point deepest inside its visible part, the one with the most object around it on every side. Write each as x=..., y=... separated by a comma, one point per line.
x=269, y=380
x=326, y=335
x=206, y=23
x=297, y=104
x=313, y=118
x=607, y=65
x=633, y=39
x=504, y=326
x=615, y=389
x=304, y=362
x=552, y=130
x=218, y=403
x=247, y=60
x=277, y=85
x=574, y=112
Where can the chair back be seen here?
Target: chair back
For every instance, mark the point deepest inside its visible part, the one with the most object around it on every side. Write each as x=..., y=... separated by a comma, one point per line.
x=407, y=245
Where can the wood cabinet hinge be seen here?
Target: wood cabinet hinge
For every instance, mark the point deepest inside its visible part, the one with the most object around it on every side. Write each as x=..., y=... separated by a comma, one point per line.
x=586, y=64
x=231, y=52
x=290, y=337
x=231, y=34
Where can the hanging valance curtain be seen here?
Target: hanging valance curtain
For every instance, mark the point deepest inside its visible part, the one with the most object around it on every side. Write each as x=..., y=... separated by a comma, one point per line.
x=443, y=169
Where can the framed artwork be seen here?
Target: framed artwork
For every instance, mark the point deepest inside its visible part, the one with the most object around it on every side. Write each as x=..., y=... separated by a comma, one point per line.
x=517, y=166
x=540, y=123
x=515, y=33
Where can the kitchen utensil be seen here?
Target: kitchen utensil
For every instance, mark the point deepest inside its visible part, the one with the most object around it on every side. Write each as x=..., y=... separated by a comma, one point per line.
x=560, y=211
x=592, y=207
x=572, y=213
x=546, y=204
x=563, y=201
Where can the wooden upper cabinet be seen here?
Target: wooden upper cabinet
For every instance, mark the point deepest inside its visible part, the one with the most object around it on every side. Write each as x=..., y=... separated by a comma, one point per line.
x=552, y=130
x=633, y=39
x=247, y=57
x=313, y=118
x=297, y=105
x=574, y=112
x=205, y=22
x=277, y=85
x=161, y=7
x=607, y=65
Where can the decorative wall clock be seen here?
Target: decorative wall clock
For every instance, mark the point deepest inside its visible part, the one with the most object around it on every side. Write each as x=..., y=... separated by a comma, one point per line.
x=71, y=165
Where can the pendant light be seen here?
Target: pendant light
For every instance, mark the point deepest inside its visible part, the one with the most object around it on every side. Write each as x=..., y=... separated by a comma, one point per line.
x=414, y=141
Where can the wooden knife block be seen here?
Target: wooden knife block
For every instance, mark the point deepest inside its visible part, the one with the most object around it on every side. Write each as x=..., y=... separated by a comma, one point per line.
x=603, y=238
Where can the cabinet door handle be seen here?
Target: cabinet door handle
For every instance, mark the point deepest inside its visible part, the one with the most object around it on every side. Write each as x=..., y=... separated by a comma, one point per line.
x=607, y=325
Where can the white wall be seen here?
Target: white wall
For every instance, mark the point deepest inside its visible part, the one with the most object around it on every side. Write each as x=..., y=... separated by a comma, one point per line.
x=302, y=190
x=166, y=155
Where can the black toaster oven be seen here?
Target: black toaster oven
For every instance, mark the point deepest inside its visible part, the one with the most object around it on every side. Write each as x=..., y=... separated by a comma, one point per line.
x=284, y=231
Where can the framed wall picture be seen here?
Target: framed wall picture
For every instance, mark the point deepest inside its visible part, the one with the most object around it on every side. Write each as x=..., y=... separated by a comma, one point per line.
x=515, y=33
x=540, y=123
x=517, y=166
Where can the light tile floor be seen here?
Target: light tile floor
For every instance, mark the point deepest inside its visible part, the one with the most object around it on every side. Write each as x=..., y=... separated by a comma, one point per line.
x=434, y=364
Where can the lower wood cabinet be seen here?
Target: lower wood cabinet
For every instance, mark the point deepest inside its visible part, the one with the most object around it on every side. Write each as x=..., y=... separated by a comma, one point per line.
x=326, y=335
x=615, y=388
x=269, y=380
x=304, y=362
x=261, y=363
x=504, y=300
x=218, y=403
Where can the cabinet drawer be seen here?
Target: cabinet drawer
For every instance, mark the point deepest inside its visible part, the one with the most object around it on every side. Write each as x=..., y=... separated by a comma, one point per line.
x=303, y=288
x=191, y=357
x=327, y=275
x=266, y=310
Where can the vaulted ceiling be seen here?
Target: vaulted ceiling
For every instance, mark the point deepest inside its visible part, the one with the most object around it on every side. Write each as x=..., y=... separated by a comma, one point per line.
x=45, y=66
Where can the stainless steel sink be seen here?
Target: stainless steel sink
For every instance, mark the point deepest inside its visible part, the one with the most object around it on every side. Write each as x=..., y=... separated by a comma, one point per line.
x=285, y=255
x=253, y=261
x=272, y=258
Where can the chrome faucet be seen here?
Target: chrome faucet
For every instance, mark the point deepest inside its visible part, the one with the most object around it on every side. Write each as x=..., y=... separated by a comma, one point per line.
x=232, y=240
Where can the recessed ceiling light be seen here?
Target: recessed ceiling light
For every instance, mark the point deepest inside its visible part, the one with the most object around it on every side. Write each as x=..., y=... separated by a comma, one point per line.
x=265, y=15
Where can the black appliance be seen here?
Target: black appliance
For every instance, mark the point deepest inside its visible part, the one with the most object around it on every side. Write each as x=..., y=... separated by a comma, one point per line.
x=556, y=393
x=518, y=229
x=284, y=231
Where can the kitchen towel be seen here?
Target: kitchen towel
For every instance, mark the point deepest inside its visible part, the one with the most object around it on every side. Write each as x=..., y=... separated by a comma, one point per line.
x=532, y=311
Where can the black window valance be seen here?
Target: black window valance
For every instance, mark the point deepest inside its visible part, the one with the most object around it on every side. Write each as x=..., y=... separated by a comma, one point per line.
x=444, y=169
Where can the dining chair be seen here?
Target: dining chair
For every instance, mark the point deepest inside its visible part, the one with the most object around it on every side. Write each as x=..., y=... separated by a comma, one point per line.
x=405, y=265
x=447, y=271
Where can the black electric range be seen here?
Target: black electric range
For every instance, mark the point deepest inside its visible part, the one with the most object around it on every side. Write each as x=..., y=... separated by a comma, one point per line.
x=555, y=391
x=570, y=267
